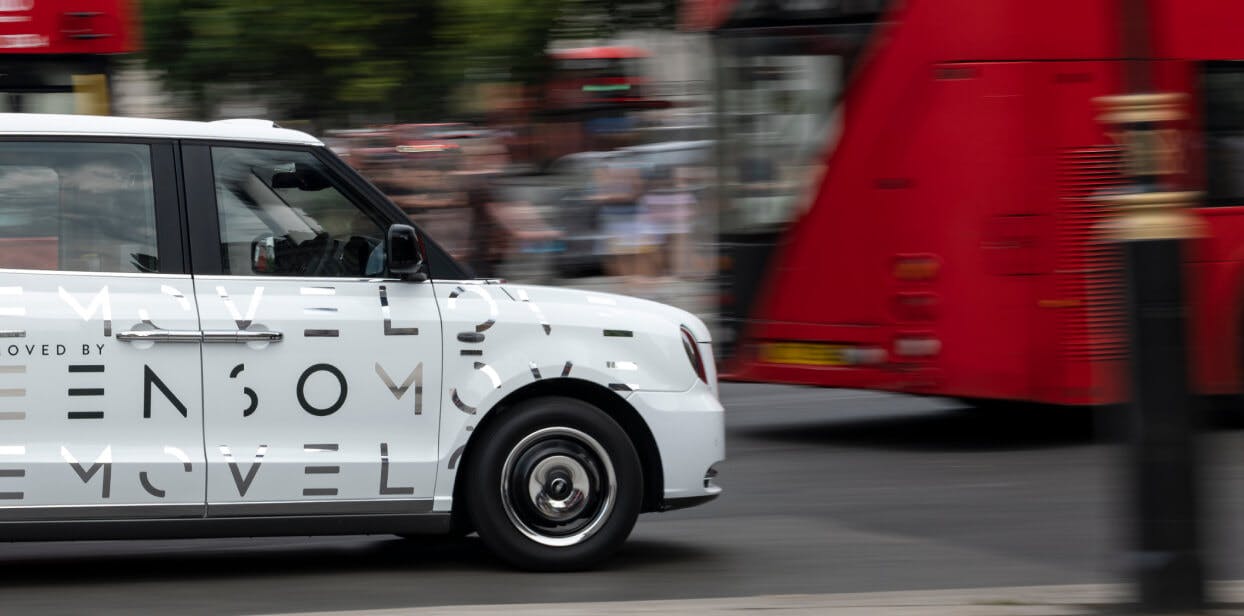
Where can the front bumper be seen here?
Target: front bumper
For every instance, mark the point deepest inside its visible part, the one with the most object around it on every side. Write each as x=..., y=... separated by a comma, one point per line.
x=690, y=433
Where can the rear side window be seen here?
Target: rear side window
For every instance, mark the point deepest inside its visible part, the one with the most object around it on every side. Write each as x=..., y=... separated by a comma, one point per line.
x=1223, y=92
x=84, y=207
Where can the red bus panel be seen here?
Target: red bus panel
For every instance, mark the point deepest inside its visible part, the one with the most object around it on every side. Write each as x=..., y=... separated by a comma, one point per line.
x=957, y=242
x=60, y=27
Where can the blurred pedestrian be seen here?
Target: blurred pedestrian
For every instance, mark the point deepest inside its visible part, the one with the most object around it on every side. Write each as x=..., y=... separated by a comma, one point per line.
x=487, y=243
x=667, y=209
x=500, y=230
x=631, y=248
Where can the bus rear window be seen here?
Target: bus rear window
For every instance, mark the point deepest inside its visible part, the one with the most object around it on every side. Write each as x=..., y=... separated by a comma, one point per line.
x=1222, y=86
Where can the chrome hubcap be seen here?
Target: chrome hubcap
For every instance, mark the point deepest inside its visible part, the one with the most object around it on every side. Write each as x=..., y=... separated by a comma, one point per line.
x=558, y=486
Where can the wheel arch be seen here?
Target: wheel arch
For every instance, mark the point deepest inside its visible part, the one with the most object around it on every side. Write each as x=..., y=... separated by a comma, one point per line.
x=591, y=393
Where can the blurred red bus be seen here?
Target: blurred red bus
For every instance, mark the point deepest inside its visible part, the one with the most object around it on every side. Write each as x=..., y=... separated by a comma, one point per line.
x=908, y=192
x=59, y=57
x=609, y=76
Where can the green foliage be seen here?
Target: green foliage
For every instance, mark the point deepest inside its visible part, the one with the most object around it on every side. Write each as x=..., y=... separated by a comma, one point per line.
x=331, y=61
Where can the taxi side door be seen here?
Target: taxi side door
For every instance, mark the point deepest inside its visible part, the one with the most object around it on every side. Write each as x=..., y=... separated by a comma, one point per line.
x=321, y=371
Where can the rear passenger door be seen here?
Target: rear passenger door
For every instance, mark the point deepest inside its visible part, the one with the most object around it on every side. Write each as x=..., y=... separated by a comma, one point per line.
x=100, y=390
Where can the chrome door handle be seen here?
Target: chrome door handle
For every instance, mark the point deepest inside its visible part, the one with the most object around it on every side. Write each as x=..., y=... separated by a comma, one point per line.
x=241, y=336
x=160, y=335
x=171, y=335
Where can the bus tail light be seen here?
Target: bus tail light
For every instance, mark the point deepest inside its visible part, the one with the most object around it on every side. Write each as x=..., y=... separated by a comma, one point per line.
x=916, y=267
x=822, y=354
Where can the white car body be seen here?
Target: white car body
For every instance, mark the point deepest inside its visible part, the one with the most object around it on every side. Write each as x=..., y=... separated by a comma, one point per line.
x=192, y=402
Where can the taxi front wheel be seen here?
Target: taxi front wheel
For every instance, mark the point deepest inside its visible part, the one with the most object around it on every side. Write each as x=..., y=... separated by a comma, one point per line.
x=555, y=485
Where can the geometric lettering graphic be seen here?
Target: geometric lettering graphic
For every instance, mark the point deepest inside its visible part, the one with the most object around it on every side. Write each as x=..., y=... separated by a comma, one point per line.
x=252, y=307
x=535, y=309
x=146, y=484
x=85, y=391
x=315, y=310
x=462, y=406
x=243, y=483
x=389, y=330
x=176, y=453
x=493, y=378
x=452, y=304
x=321, y=333
x=414, y=378
x=457, y=454
x=104, y=461
x=343, y=390
x=177, y=295
x=12, y=450
x=250, y=393
x=150, y=378
x=323, y=469
x=385, y=489
x=9, y=415
x=99, y=301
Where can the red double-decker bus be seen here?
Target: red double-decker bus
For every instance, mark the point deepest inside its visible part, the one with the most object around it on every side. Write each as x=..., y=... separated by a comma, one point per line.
x=909, y=192
x=607, y=76
x=59, y=56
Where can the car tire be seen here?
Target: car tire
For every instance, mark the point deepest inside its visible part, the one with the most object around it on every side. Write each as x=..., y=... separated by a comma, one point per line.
x=554, y=485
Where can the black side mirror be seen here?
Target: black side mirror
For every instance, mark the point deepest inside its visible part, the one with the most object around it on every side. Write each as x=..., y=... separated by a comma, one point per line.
x=402, y=253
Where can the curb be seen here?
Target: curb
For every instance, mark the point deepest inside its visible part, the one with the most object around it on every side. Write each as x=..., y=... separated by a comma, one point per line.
x=1005, y=601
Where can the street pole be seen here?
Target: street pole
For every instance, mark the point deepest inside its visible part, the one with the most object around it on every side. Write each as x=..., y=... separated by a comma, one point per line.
x=1152, y=223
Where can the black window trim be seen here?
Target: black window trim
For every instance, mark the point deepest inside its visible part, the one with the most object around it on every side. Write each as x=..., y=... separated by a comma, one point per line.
x=170, y=228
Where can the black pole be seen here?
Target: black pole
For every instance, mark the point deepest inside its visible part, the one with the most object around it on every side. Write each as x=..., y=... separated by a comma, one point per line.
x=1152, y=226
x=1165, y=476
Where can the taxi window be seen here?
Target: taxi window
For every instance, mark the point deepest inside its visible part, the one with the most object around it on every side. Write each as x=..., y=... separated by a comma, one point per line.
x=281, y=213
x=85, y=207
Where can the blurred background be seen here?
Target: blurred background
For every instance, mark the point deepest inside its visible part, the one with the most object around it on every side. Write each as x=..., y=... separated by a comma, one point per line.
x=553, y=141
x=570, y=142
x=903, y=196
x=908, y=196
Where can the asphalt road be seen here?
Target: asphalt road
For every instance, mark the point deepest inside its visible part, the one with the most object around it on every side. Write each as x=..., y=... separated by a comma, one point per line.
x=827, y=491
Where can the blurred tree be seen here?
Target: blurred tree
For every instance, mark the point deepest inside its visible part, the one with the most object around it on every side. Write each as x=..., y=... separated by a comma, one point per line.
x=321, y=60
x=490, y=41
x=331, y=62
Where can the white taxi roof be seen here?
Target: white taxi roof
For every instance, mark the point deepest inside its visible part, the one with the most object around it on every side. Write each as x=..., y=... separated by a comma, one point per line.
x=264, y=131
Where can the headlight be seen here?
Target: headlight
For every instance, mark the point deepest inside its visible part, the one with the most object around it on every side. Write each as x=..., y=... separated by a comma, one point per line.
x=693, y=353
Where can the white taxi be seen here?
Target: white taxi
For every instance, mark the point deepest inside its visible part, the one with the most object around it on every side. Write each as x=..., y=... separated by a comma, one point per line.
x=220, y=329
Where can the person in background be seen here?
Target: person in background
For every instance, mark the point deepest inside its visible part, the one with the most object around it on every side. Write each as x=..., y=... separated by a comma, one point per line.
x=499, y=230
x=667, y=208
x=630, y=247
x=486, y=239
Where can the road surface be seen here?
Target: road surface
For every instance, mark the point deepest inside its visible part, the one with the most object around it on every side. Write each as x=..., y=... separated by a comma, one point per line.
x=826, y=491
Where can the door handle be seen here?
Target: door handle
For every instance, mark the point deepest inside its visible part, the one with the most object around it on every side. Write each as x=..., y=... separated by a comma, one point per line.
x=171, y=335
x=160, y=335
x=241, y=336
